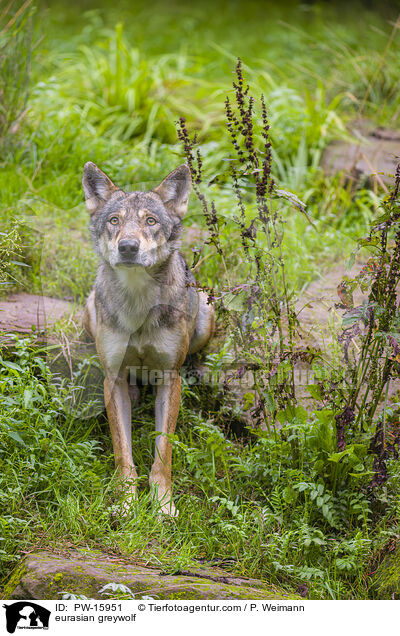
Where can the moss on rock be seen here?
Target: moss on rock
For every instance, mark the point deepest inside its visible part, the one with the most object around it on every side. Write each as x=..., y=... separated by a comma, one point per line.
x=48, y=576
x=16, y=576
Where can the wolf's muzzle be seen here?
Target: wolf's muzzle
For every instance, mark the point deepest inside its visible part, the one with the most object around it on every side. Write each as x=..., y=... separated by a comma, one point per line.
x=128, y=247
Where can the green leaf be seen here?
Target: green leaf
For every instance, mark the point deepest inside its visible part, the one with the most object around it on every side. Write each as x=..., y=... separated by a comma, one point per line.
x=295, y=201
x=350, y=262
x=234, y=302
x=27, y=397
x=368, y=242
x=381, y=219
x=16, y=436
x=12, y=365
x=20, y=264
x=291, y=413
x=248, y=400
x=315, y=391
x=288, y=494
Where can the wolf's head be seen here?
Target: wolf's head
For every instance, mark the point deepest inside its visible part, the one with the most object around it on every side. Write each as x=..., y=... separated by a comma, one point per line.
x=136, y=229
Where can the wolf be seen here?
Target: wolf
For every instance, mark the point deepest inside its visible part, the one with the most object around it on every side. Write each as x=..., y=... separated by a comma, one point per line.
x=144, y=313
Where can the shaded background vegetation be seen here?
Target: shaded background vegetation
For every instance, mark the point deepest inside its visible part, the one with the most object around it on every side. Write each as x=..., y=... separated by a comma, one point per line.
x=92, y=81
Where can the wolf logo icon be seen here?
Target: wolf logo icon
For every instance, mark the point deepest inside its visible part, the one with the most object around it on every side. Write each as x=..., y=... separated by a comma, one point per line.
x=27, y=615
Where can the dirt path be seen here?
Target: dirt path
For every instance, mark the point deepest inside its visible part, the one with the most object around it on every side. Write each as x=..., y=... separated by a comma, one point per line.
x=319, y=319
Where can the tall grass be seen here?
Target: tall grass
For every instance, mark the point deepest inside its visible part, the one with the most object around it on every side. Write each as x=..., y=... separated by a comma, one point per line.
x=16, y=47
x=291, y=505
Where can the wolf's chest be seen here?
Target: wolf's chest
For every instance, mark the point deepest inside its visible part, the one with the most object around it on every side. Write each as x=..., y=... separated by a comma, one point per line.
x=156, y=349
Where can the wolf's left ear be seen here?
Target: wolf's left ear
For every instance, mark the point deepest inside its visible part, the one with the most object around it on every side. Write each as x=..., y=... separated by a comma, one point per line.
x=97, y=186
x=174, y=191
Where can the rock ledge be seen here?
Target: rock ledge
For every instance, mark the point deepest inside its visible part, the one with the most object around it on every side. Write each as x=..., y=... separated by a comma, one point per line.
x=44, y=575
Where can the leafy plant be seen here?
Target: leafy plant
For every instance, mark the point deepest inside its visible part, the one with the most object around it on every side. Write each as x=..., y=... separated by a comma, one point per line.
x=286, y=505
x=123, y=94
x=10, y=245
x=261, y=317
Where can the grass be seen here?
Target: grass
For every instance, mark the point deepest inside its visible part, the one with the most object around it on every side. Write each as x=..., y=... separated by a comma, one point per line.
x=108, y=88
x=57, y=468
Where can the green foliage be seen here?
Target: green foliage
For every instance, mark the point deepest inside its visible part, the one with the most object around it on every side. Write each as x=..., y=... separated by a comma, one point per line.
x=16, y=49
x=120, y=93
x=9, y=248
x=288, y=506
x=44, y=461
x=272, y=505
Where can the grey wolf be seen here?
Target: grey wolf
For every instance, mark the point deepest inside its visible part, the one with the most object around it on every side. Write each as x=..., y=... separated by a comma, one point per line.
x=144, y=311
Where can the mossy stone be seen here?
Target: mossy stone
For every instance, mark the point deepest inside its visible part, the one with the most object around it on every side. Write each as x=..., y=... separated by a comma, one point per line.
x=47, y=576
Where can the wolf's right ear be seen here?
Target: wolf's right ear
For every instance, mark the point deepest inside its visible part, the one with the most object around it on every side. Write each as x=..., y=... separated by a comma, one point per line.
x=97, y=186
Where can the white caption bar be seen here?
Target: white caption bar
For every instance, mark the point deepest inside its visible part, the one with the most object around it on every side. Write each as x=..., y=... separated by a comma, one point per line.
x=84, y=617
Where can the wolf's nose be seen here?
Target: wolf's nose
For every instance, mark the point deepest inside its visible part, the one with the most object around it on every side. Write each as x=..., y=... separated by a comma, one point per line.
x=128, y=247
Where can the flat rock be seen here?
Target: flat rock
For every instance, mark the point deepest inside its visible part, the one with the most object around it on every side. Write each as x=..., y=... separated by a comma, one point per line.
x=318, y=317
x=373, y=156
x=24, y=313
x=44, y=575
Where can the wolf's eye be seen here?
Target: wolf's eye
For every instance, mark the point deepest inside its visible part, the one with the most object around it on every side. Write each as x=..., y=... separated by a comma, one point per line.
x=114, y=220
x=151, y=220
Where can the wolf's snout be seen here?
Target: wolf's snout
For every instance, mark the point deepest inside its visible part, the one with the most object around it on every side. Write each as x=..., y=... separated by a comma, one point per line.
x=128, y=247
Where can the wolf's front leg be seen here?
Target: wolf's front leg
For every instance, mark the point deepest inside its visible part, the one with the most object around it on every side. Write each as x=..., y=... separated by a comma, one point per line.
x=167, y=408
x=118, y=405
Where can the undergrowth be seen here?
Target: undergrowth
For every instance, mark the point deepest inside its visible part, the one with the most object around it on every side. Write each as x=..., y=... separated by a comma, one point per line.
x=307, y=503
x=291, y=509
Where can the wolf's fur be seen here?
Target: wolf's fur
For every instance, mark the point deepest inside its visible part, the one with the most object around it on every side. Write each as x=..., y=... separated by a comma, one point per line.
x=144, y=312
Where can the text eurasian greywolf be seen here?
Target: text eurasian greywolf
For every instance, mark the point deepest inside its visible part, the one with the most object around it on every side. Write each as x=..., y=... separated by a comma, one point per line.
x=144, y=312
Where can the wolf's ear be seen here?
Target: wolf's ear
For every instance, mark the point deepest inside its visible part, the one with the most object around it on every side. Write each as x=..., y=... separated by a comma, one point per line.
x=174, y=191
x=97, y=186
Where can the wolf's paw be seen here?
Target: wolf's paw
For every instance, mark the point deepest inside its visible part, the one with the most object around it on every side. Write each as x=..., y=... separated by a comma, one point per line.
x=163, y=499
x=168, y=509
x=126, y=506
